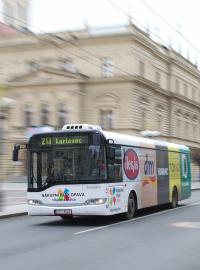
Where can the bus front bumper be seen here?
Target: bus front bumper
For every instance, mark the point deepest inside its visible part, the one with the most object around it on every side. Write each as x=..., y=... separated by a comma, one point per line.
x=84, y=210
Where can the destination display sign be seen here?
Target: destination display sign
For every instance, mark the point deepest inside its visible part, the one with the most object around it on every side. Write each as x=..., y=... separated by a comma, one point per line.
x=64, y=140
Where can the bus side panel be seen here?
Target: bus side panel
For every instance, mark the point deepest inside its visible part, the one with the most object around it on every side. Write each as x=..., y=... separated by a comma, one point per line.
x=162, y=174
x=185, y=175
x=174, y=171
x=131, y=168
x=148, y=177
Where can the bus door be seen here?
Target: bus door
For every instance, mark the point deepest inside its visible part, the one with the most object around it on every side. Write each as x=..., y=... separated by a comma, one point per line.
x=116, y=189
x=185, y=175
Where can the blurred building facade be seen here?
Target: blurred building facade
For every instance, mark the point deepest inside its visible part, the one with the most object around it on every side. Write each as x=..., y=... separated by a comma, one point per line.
x=118, y=78
x=15, y=13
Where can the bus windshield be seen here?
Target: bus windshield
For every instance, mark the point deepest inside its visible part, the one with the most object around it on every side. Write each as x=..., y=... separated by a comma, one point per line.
x=70, y=164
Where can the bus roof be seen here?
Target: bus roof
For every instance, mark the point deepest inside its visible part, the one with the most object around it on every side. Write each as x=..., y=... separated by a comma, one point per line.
x=118, y=138
x=130, y=140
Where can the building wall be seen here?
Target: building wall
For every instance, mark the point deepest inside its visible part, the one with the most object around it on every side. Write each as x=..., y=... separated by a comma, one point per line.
x=149, y=88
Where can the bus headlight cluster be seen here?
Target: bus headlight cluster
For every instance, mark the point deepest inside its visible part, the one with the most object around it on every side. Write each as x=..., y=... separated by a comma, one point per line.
x=96, y=201
x=34, y=202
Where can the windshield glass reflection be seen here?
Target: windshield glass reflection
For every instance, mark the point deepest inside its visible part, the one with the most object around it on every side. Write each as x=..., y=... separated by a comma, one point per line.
x=70, y=164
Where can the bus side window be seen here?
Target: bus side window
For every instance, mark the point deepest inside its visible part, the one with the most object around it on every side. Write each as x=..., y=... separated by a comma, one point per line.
x=184, y=165
x=115, y=165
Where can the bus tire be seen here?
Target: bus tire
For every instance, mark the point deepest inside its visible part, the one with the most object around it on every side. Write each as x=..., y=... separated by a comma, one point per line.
x=131, y=207
x=174, y=202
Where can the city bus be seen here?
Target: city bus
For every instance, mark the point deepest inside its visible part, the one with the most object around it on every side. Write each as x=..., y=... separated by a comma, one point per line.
x=86, y=171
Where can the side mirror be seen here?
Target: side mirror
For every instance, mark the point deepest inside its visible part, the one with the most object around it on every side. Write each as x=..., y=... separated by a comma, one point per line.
x=16, y=152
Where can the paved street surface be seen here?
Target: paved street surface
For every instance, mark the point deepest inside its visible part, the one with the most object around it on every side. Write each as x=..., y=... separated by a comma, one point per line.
x=156, y=239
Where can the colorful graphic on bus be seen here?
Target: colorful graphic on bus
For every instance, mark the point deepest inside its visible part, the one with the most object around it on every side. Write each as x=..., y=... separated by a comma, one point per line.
x=130, y=164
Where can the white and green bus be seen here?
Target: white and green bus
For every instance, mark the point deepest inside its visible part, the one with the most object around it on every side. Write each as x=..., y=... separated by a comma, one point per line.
x=83, y=170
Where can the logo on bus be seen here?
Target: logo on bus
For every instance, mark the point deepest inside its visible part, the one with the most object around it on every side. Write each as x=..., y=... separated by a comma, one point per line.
x=131, y=164
x=64, y=196
x=112, y=196
x=148, y=166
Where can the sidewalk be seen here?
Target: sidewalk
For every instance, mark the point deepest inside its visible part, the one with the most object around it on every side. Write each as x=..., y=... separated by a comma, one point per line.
x=195, y=185
x=21, y=209
x=13, y=210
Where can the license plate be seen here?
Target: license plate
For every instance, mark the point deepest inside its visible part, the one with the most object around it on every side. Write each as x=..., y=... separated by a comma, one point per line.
x=63, y=212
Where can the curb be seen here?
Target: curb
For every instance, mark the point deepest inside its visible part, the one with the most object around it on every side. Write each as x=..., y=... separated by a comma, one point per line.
x=13, y=215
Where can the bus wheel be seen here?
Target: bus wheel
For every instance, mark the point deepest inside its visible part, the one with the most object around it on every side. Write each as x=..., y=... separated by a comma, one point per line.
x=174, y=202
x=132, y=207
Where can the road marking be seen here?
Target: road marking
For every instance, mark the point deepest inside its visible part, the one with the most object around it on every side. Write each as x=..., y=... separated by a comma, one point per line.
x=187, y=225
x=135, y=219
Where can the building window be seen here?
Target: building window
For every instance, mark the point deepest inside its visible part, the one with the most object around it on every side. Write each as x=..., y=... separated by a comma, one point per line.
x=185, y=90
x=144, y=119
x=157, y=77
x=178, y=127
x=193, y=93
x=67, y=64
x=107, y=67
x=106, y=119
x=33, y=66
x=28, y=116
x=195, y=128
x=158, y=122
x=62, y=115
x=177, y=90
x=141, y=68
x=186, y=128
x=45, y=115
x=194, y=131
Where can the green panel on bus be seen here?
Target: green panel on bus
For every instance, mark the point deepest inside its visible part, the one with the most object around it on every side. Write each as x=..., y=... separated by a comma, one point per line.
x=185, y=175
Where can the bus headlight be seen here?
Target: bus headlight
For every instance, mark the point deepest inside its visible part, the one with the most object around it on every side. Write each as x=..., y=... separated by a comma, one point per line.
x=34, y=202
x=96, y=201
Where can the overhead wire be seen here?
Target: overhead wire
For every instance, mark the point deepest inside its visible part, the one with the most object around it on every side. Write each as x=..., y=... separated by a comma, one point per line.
x=171, y=26
x=130, y=18
x=64, y=40
x=156, y=35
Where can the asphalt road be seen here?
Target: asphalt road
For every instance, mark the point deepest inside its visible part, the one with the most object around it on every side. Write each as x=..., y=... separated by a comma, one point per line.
x=157, y=238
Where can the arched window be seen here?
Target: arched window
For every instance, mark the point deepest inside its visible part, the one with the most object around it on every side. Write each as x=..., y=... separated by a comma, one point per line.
x=28, y=115
x=185, y=90
x=141, y=68
x=159, y=117
x=144, y=119
x=106, y=119
x=144, y=105
x=107, y=67
x=45, y=115
x=195, y=128
x=177, y=87
x=187, y=126
x=62, y=115
x=159, y=122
